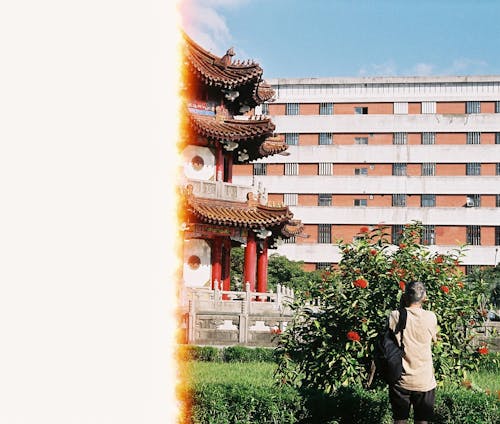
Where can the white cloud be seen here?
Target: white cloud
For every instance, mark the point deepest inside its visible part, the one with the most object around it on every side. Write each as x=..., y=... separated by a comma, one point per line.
x=422, y=69
x=465, y=66
x=387, y=68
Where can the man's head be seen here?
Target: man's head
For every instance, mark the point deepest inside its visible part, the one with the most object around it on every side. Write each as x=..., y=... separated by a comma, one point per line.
x=415, y=293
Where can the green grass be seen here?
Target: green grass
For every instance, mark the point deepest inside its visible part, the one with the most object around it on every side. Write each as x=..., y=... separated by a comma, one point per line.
x=487, y=381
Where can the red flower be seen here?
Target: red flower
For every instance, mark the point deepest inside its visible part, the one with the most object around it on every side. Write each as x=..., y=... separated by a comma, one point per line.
x=402, y=245
x=483, y=350
x=364, y=230
x=361, y=283
x=438, y=259
x=354, y=336
x=402, y=285
x=373, y=252
x=460, y=284
x=438, y=270
x=444, y=289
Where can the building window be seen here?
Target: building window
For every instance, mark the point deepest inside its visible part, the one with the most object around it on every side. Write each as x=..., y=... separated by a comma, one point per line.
x=401, y=108
x=428, y=169
x=428, y=234
x=473, y=235
x=470, y=269
x=325, y=168
x=292, y=139
x=360, y=140
x=292, y=109
x=473, y=107
x=497, y=106
x=323, y=265
x=498, y=169
x=325, y=138
x=497, y=236
x=497, y=203
x=473, y=168
x=361, y=110
x=428, y=138
x=324, y=233
x=400, y=138
x=497, y=138
x=399, y=169
x=396, y=233
x=428, y=107
x=291, y=169
x=473, y=200
x=360, y=171
x=291, y=199
x=359, y=202
x=325, y=199
x=474, y=138
x=428, y=200
x=289, y=240
x=326, y=108
x=259, y=168
x=265, y=108
x=399, y=200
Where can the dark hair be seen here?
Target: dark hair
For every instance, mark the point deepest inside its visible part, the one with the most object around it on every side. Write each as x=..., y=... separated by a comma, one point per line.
x=414, y=292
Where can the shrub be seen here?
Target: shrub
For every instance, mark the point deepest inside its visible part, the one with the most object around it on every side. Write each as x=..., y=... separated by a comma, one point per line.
x=200, y=353
x=226, y=354
x=331, y=346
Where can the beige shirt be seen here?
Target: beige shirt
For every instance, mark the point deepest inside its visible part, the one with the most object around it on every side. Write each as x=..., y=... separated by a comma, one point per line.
x=420, y=331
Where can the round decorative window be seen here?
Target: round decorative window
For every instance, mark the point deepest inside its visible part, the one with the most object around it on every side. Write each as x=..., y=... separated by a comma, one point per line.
x=194, y=262
x=197, y=163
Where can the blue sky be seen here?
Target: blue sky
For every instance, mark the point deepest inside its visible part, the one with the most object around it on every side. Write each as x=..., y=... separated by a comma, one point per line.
x=322, y=38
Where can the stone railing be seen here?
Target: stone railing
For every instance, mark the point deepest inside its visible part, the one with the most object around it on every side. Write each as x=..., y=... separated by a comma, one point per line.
x=219, y=317
x=219, y=190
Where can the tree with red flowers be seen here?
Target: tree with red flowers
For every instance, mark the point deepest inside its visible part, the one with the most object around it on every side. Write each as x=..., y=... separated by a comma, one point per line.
x=330, y=344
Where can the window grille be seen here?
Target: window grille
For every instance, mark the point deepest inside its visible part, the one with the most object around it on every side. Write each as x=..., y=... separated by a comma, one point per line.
x=470, y=269
x=400, y=138
x=473, y=168
x=474, y=138
x=428, y=138
x=326, y=108
x=498, y=169
x=292, y=109
x=289, y=240
x=360, y=140
x=497, y=106
x=359, y=202
x=291, y=199
x=323, y=265
x=291, y=169
x=325, y=199
x=400, y=108
x=428, y=169
x=360, y=171
x=473, y=107
x=396, y=233
x=292, y=139
x=497, y=236
x=361, y=110
x=428, y=200
x=497, y=203
x=473, y=235
x=497, y=138
x=428, y=107
x=428, y=234
x=265, y=108
x=399, y=200
x=325, y=138
x=325, y=168
x=324, y=233
x=259, y=168
x=474, y=200
x=399, y=169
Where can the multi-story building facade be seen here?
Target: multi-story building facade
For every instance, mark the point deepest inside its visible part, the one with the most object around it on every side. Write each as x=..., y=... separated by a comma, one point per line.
x=366, y=151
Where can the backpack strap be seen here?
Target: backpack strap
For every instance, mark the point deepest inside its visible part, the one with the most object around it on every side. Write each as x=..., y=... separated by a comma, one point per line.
x=401, y=325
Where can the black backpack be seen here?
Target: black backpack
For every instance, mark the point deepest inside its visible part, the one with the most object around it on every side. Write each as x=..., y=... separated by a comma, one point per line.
x=388, y=354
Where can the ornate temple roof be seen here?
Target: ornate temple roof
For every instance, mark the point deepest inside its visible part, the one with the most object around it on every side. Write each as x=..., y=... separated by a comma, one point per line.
x=220, y=71
x=263, y=92
x=272, y=146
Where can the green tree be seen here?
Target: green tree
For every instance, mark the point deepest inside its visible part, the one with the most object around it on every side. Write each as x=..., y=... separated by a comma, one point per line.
x=491, y=277
x=330, y=345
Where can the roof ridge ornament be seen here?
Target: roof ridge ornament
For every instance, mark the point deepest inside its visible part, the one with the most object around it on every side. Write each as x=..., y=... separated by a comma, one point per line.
x=227, y=58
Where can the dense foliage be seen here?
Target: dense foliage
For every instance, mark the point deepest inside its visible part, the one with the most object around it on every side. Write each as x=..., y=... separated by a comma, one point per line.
x=226, y=354
x=330, y=346
x=491, y=277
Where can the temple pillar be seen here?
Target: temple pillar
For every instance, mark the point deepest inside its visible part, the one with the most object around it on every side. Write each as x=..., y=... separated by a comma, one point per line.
x=219, y=162
x=228, y=173
x=250, y=266
x=216, y=261
x=226, y=263
x=262, y=269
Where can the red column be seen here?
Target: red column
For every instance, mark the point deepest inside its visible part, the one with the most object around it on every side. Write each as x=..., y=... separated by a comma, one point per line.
x=229, y=175
x=219, y=162
x=216, y=261
x=250, y=266
x=226, y=272
x=262, y=269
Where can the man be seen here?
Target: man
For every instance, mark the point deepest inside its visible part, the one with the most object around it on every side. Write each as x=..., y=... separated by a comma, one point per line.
x=417, y=384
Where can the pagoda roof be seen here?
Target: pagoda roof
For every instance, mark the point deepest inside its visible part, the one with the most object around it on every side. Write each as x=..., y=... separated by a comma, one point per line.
x=263, y=92
x=220, y=71
x=272, y=146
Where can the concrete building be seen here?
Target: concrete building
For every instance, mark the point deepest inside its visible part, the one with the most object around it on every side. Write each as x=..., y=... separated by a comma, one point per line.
x=365, y=151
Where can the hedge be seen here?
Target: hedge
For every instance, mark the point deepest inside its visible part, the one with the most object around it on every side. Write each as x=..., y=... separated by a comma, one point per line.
x=226, y=354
